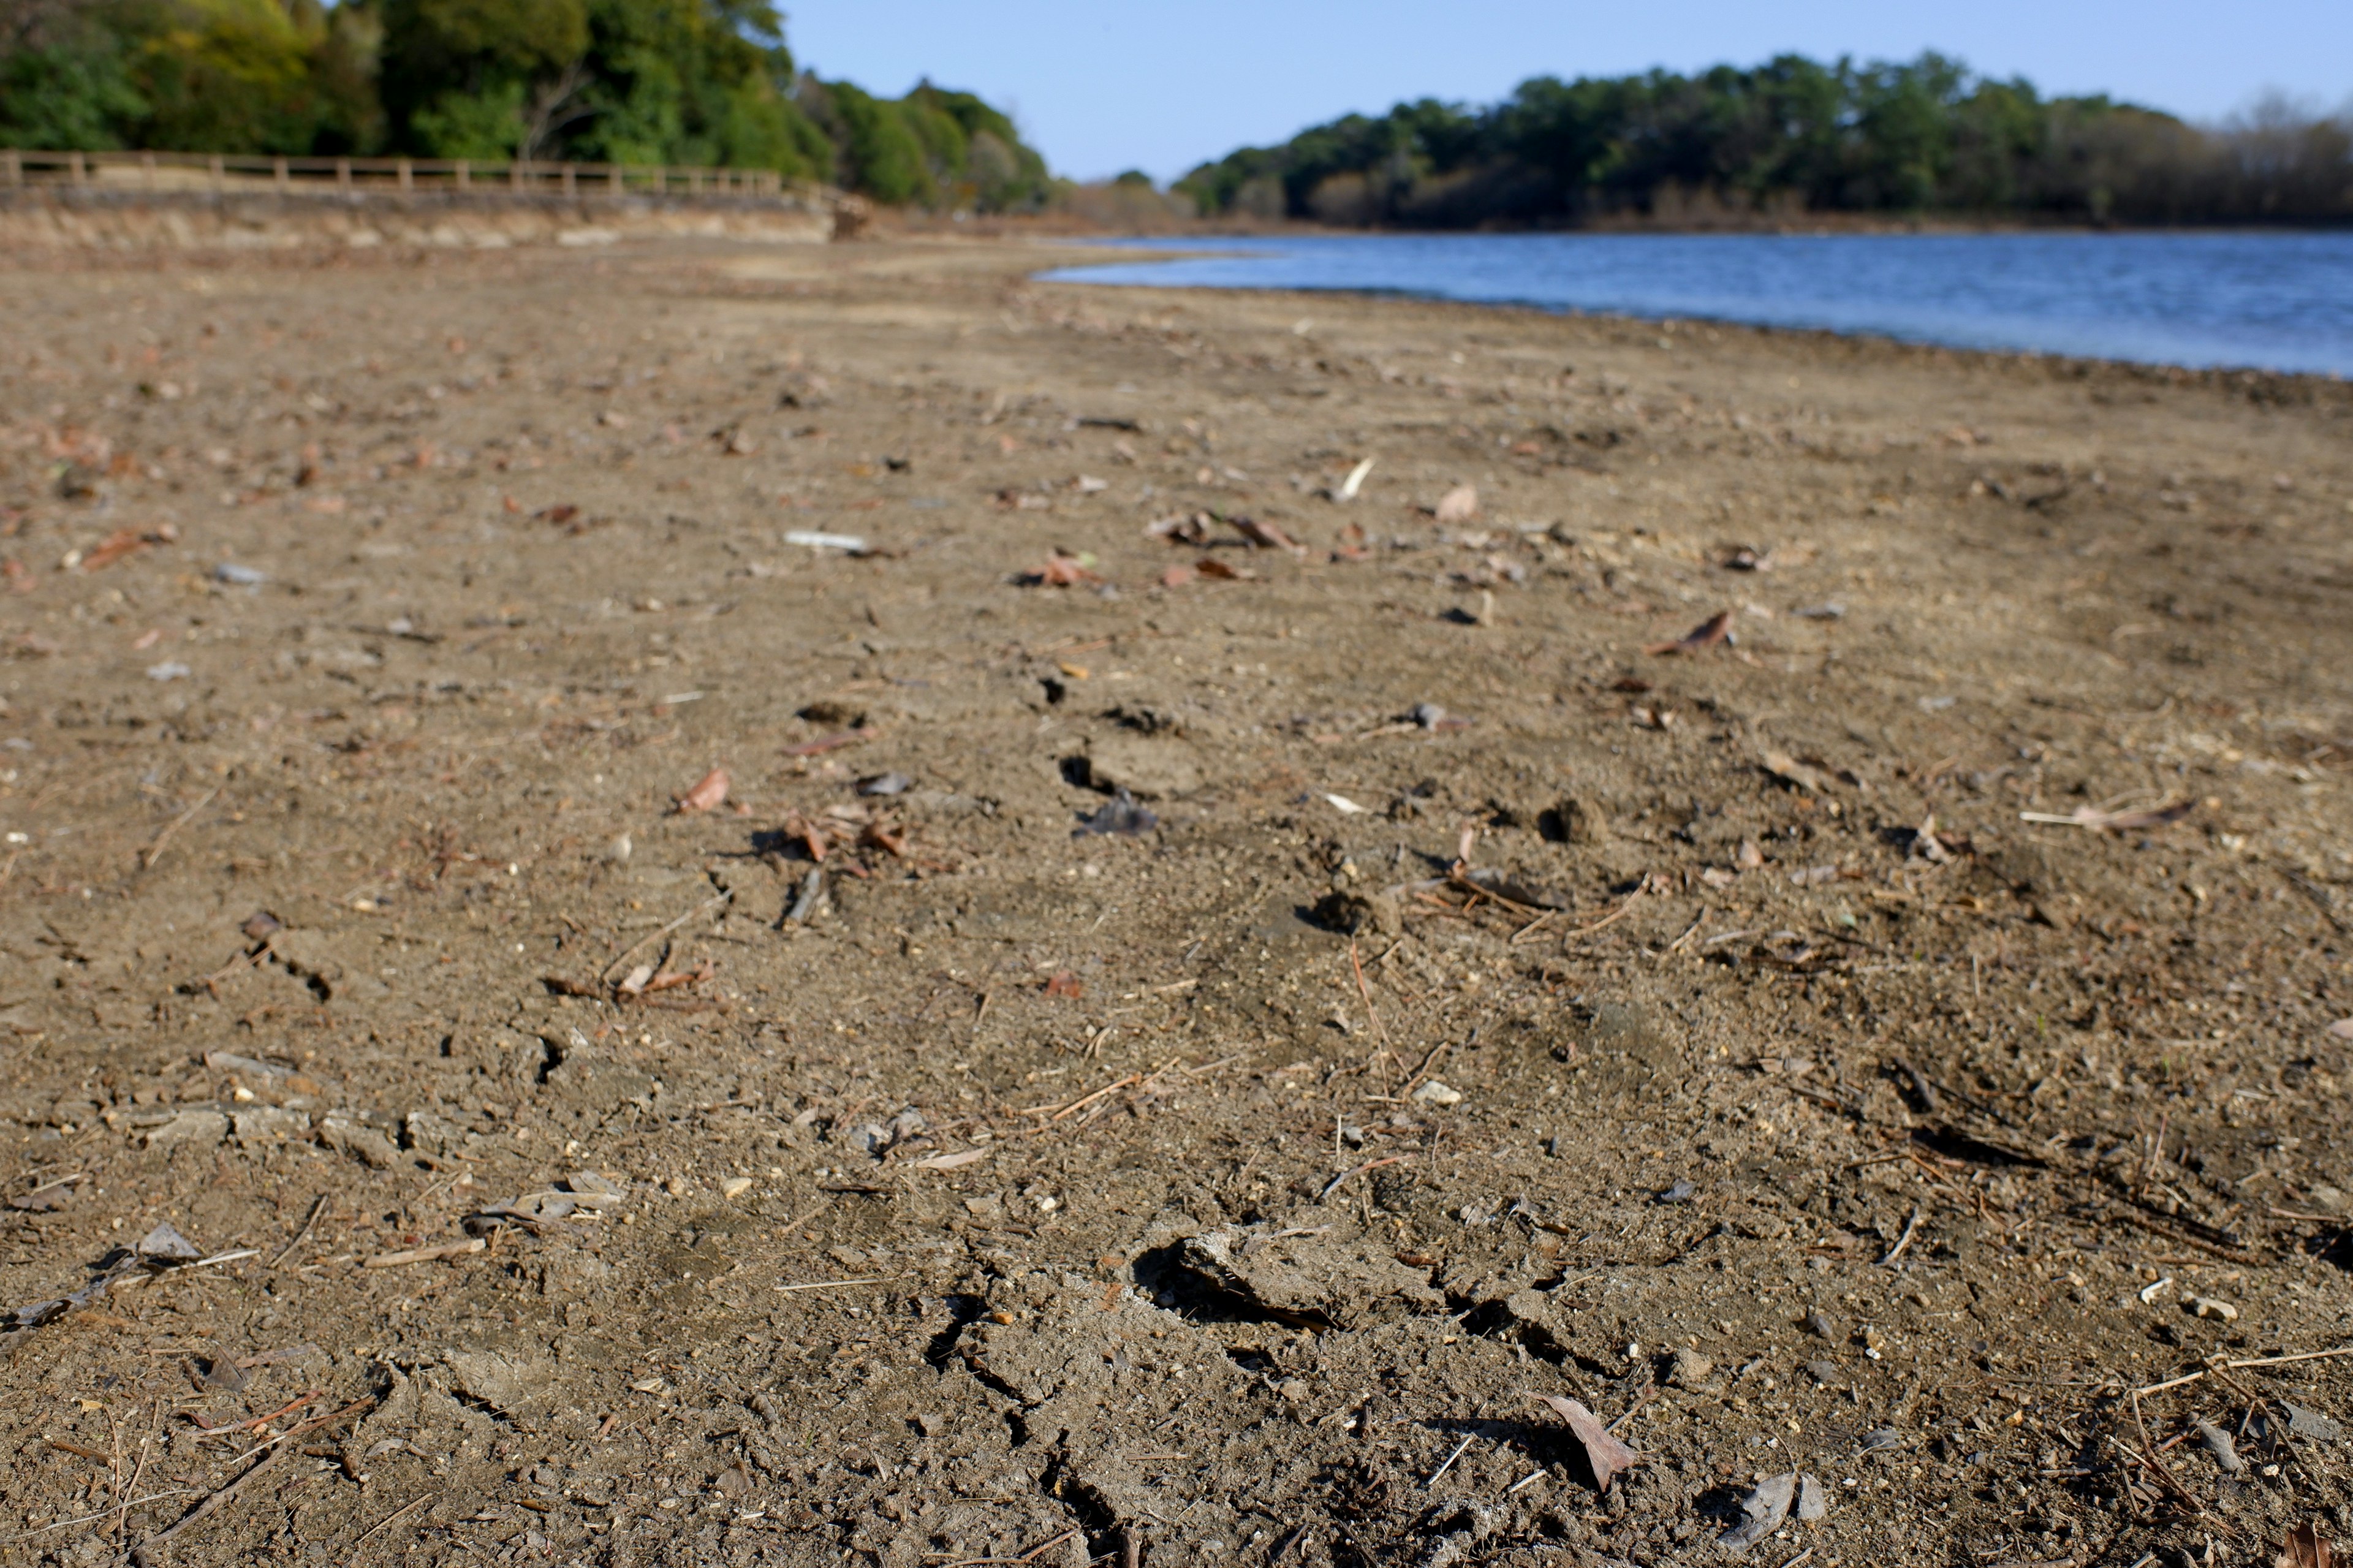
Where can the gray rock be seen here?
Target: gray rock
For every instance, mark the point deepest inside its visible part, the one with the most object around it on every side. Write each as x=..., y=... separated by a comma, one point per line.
x=1813, y=1498
x=1762, y=1512
x=2217, y=1443
x=2310, y=1424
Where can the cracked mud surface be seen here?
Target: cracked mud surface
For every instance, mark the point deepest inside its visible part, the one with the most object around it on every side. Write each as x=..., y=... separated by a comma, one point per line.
x=1760, y=1080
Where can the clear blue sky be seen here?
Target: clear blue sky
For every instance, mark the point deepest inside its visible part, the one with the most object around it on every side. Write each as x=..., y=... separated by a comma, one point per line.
x=1106, y=85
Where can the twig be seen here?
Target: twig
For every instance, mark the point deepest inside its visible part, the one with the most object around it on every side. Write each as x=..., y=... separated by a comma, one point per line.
x=1904, y=1240
x=426, y=1253
x=1616, y=915
x=830, y=1284
x=318, y=1207
x=642, y=943
x=222, y=1496
x=404, y=1508
x=1450, y=1461
x=154, y=851
x=1368, y=1165
x=2284, y=1360
x=1365, y=990
x=1531, y=1479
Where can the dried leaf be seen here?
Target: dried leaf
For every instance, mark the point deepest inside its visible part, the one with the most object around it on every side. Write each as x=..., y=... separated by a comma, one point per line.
x=1062, y=572
x=1459, y=504
x=1209, y=566
x=707, y=794
x=1065, y=983
x=1265, y=535
x=2303, y=1548
x=1193, y=528
x=633, y=983
x=1605, y=1453
x=952, y=1162
x=1716, y=628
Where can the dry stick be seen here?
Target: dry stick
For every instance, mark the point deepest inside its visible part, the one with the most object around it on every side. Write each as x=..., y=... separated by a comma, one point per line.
x=1617, y=914
x=155, y=851
x=318, y=1207
x=642, y=943
x=1367, y=993
x=1368, y=1165
x=1904, y=1240
x=1449, y=1462
x=221, y=1497
x=404, y=1508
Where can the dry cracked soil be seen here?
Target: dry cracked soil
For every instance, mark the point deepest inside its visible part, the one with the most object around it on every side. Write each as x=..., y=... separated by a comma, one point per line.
x=1790, y=891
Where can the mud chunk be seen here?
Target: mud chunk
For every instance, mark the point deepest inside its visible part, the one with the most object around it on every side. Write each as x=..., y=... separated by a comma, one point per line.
x=1344, y=1281
x=1691, y=1369
x=1147, y=767
x=345, y=1134
x=513, y=1383
x=1820, y=1327
x=1352, y=914
x=200, y=1128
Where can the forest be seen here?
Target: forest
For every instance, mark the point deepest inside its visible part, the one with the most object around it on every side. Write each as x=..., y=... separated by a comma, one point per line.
x=707, y=82
x=1785, y=140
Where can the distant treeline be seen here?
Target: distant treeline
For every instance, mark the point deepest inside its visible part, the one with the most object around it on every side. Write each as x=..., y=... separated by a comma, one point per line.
x=618, y=82
x=1784, y=140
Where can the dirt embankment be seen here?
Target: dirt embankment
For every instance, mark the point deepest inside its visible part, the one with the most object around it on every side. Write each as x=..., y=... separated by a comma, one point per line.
x=1866, y=1042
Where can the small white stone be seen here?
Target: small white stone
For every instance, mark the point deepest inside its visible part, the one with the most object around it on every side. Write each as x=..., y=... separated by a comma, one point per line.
x=734, y=1186
x=1436, y=1093
x=2217, y=1309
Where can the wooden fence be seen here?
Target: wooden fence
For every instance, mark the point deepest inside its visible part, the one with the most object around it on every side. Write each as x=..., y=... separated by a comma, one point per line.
x=247, y=175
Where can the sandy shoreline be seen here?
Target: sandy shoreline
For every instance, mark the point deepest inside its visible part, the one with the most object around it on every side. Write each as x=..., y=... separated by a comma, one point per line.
x=1210, y=1189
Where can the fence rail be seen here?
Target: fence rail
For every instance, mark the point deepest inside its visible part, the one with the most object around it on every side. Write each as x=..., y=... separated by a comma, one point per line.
x=243, y=173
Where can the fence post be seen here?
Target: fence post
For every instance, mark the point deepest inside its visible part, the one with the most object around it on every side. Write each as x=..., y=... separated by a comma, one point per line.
x=407, y=176
x=15, y=163
x=220, y=173
x=78, y=170
x=613, y=178
x=147, y=166
x=465, y=174
x=570, y=185
x=344, y=175
x=514, y=174
x=284, y=177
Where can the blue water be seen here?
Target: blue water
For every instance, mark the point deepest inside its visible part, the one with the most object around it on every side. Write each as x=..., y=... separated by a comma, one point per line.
x=2263, y=301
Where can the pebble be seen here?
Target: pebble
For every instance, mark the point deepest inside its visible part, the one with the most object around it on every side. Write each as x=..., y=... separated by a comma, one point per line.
x=1436, y=1093
x=1691, y=1369
x=2215, y=1307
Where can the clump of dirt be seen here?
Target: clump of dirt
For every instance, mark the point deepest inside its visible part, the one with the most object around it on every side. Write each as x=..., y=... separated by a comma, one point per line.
x=832, y=907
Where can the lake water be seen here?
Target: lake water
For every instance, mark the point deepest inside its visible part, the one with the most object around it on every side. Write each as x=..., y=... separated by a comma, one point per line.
x=2266, y=300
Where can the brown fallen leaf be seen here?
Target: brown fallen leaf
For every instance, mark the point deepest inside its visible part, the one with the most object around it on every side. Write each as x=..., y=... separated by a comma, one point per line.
x=2304, y=1547
x=1606, y=1455
x=1065, y=983
x=813, y=837
x=1716, y=628
x=1210, y=566
x=1190, y=529
x=1265, y=535
x=2100, y=821
x=669, y=980
x=1459, y=504
x=123, y=541
x=1060, y=572
x=561, y=512
x=1177, y=576
x=709, y=793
